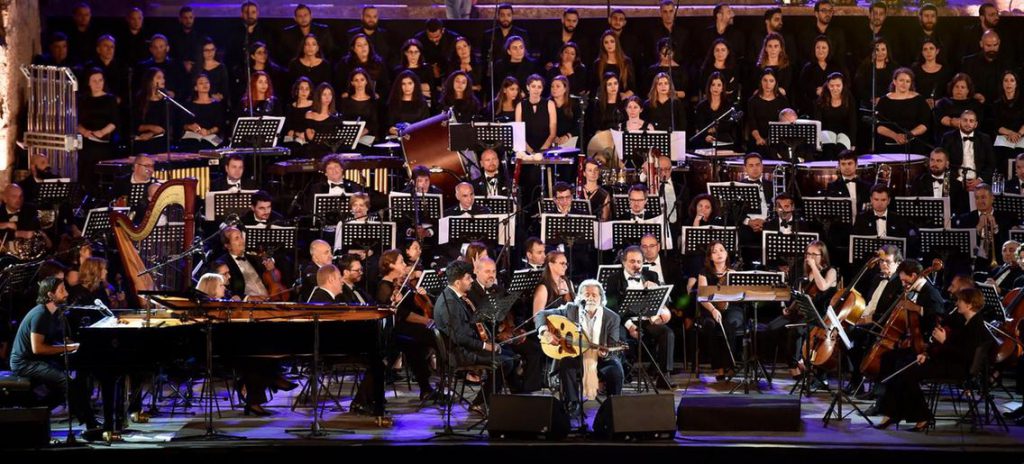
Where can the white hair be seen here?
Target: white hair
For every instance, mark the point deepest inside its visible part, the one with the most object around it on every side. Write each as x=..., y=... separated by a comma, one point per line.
x=581, y=300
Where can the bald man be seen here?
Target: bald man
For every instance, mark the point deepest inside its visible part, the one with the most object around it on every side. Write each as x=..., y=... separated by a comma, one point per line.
x=17, y=217
x=466, y=197
x=321, y=255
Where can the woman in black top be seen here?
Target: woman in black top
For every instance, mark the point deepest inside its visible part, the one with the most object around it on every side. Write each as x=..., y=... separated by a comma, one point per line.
x=819, y=274
x=567, y=110
x=721, y=321
x=295, y=116
x=97, y=124
x=406, y=104
x=209, y=119
x=720, y=60
x=517, y=62
x=948, y=110
x=704, y=211
x=599, y=198
x=1008, y=116
x=362, y=55
x=773, y=56
x=764, y=106
x=883, y=68
x=462, y=60
x=902, y=117
x=457, y=94
x=814, y=74
x=539, y=115
x=412, y=61
x=220, y=83
x=715, y=104
x=668, y=66
x=322, y=117
x=931, y=77
x=151, y=114
x=259, y=60
x=261, y=94
x=663, y=108
x=554, y=288
x=310, y=63
x=505, y=101
x=613, y=59
x=570, y=66
x=606, y=112
x=361, y=102
x=413, y=332
x=838, y=113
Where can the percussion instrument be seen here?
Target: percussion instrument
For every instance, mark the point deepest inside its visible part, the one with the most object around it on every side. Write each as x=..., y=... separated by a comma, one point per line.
x=905, y=168
x=734, y=169
x=813, y=177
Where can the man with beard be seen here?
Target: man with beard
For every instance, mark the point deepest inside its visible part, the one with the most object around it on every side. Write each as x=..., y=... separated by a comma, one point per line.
x=293, y=36
x=186, y=42
x=928, y=28
x=823, y=12
x=772, y=23
x=985, y=220
x=566, y=33
x=617, y=23
x=988, y=20
x=250, y=32
x=667, y=27
x=505, y=30
x=986, y=67
x=81, y=37
x=878, y=27
x=930, y=184
x=723, y=28
x=379, y=36
x=970, y=151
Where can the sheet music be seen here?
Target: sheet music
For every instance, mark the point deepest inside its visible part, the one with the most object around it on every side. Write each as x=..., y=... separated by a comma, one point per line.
x=503, y=238
x=677, y=139
x=606, y=240
x=544, y=224
x=1002, y=141
x=832, y=137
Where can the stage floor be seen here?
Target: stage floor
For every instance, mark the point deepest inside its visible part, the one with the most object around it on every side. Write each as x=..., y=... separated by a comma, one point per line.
x=850, y=439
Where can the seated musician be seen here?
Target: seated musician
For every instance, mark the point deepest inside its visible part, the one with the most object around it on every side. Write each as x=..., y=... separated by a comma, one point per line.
x=213, y=285
x=970, y=151
x=880, y=287
x=453, y=313
x=351, y=274
x=940, y=182
x=18, y=219
x=334, y=183
x=535, y=252
x=1016, y=185
x=849, y=183
x=464, y=194
x=492, y=181
x=638, y=206
x=675, y=195
x=321, y=118
x=818, y=280
x=143, y=167
x=93, y=286
x=36, y=351
x=753, y=173
x=419, y=185
x=328, y=285
x=666, y=266
x=246, y=270
x=39, y=171
x=600, y=325
x=261, y=214
x=878, y=220
x=320, y=255
x=1005, y=276
x=784, y=220
x=961, y=353
x=359, y=209
x=993, y=226
x=721, y=321
x=554, y=288
x=234, y=169
x=599, y=198
x=704, y=211
x=412, y=324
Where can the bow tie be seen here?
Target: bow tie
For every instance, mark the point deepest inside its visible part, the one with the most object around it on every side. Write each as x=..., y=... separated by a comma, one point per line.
x=333, y=185
x=938, y=180
x=850, y=181
x=785, y=223
x=239, y=258
x=879, y=218
x=634, y=278
x=649, y=263
x=260, y=222
x=492, y=180
x=969, y=138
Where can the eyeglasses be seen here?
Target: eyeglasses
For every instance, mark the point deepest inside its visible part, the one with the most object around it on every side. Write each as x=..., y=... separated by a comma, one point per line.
x=560, y=263
x=812, y=254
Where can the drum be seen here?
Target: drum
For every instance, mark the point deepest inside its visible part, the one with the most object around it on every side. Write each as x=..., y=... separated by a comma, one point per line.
x=734, y=169
x=602, y=148
x=698, y=174
x=426, y=143
x=904, y=168
x=813, y=177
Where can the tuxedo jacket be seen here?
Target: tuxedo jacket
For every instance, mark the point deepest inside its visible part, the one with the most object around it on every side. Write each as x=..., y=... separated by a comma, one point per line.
x=502, y=184
x=984, y=158
x=617, y=285
x=348, y=295
x=837, y=188
x=958, y=198
x=896, y=225
x=320, y=295
x=249, y=219
x=220, y=184
x=321, y=187
x=457, y=210
x=237, y=283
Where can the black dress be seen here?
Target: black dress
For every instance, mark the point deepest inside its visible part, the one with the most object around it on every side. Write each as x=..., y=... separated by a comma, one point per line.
x=598, y=199
x=680, y=80
x=812, y=77
x=577, y=80
x=759, y=113
x=268, y=107
x=95, y=113
x=407, y=112
x=375, y=67
x=841, y=120
x=704, y=115
x=208, y=116
x=219, y=80
x=604, y=117
x=537, y=120
x=625, y=85
x=155, y=113
x=783, y=79
x=568, y=118
x=862, y=82
x=732, y=319
x=661, y=116
x=315, y=148
x=295, y=118
x=318, y=74
x=424, y=73
x=729, y=76
x=932, y=85
x=900, y=115
x=465, y=110
x=365, y=110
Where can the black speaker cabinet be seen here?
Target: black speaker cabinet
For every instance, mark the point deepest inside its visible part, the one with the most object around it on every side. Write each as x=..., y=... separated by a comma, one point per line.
x=527, y=417
x=639, y=417
x=24, y=427
x=739, y=413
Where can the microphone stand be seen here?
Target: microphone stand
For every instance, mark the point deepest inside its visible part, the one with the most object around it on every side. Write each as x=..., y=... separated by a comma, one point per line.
x=168, y=100
x=70, y=440
x=490, y=62
x=714, y=145
x=248, y=67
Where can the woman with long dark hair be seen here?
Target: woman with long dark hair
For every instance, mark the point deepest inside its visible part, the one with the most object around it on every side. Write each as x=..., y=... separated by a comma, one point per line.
x=931, y=77
x=612, y=58
x=721, y=320
x=837, y=112
x=505, y=101
x=763, y=107
x=882, y=66
x=406, y=103
x=567, y=110
x=457, y=94
x=205, y=130
x=412, y=61
x=361, y=102
x=773, y=56
x=815, y=72
x=462, y=60
x=664, y=109
x=220, y=83
x=570, y=67
x=310, y=63
x=321, y=117
x=712, y=107
x=259, y=60
x=517, y=62
x=295, y=116
x=151, y=114
x=720, y=59
x=362, y=55
x=554, y=287
x=1008, y=117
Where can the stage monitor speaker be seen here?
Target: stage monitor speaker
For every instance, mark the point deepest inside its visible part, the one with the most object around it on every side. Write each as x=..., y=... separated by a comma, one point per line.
x=24, y=427
x=640, y=417
x=739, y=413
x=527, y=417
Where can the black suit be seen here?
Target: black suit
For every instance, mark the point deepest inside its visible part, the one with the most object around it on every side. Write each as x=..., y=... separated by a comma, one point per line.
x=123, y=188
x=661, y=335
x=895, y=225
x=766, y=189
x=1014, y=186
x=320, y=295
x=28, y=217
x=237, y=283
x=609, y=368
x=501, y=183
x=457, y=210
x=220, y=184
x=455, y=320
x=795, y=225
x=837, y=188
x=249, y=219
x=308, y=281
x=348, y=295
x=984, y=158
x=969, y=220
x=958, y=199
x=322, y=187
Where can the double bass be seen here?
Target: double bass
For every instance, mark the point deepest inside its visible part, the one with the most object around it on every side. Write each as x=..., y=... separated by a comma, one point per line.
x=850, y=306
x=902, y=329
x=1009, y=348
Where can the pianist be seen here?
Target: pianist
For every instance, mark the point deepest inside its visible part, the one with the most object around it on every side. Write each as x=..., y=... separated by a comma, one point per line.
x=37, y=351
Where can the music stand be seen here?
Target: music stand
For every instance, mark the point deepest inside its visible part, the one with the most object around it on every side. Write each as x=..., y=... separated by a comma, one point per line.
x=365, y=236
x=431, y=281
x=829, y=210
x=637, y=144
x=498, y=204
x=752, y=367
x=752, y=278
x=256, y=132
x=620, y=203
x=942, y=243
x=923, y=211
x=525, y=281
x=508, y=136
x=136, y=193
x=643, y=304
x=778, y=246
x=695, y=239
x=345, y=134
x=54, y=191
x=569, y=230
x=606, y=272
x=329, y=207
x=225, y=202
x=97, y=222
x=16, y=277
x=404, y=204
x=861, y=246
x=794, y=134
x=747, y=194
x=1017, y=235
x=266, y=238
x=548, y=206
x=479, y=228
x=617, y=234
x=992, y=300
x=1010, y=203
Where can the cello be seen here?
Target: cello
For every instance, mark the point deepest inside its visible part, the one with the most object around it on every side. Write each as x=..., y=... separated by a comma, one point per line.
x=902, y=329
x=1009, y=348
x=850, y=305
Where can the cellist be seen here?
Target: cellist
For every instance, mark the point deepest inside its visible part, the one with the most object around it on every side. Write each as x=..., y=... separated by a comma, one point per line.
x=819, y=282
x=879, y=292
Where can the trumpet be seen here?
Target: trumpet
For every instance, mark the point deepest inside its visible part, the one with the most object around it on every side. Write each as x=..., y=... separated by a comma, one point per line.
x=945, y=184
x=883, y=174
x=988, y=238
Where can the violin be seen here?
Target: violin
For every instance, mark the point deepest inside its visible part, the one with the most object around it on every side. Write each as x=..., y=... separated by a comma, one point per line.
x=271, y=278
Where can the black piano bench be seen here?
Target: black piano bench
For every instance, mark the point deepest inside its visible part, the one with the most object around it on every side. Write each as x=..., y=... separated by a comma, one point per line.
x=14, y=390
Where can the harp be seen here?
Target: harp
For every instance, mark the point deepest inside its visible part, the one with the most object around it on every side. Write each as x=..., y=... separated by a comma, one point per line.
x=180, y=192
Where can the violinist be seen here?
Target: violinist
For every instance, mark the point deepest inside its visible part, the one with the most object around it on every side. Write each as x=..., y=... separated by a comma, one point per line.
x=601, y=326
x=819, y=281
x=960, y=354
x=554, y=288
x=879, y=291
x=413, y=319
x=261, y=214
x=246, y=270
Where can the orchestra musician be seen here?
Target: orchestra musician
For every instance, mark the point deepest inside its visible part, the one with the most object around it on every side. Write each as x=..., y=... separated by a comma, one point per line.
x=849, y=184
x=720, y=321
x=246, y=270
x=493, y=181
x=940, y=181
x=261, y=214
x=232, y=179
x=320, y=255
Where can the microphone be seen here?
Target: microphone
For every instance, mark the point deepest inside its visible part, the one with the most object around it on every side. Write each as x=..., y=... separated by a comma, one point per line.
x=736, y=115
x=576, y=97
x=103, y=307
x=232, y=220
x=436, y=170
